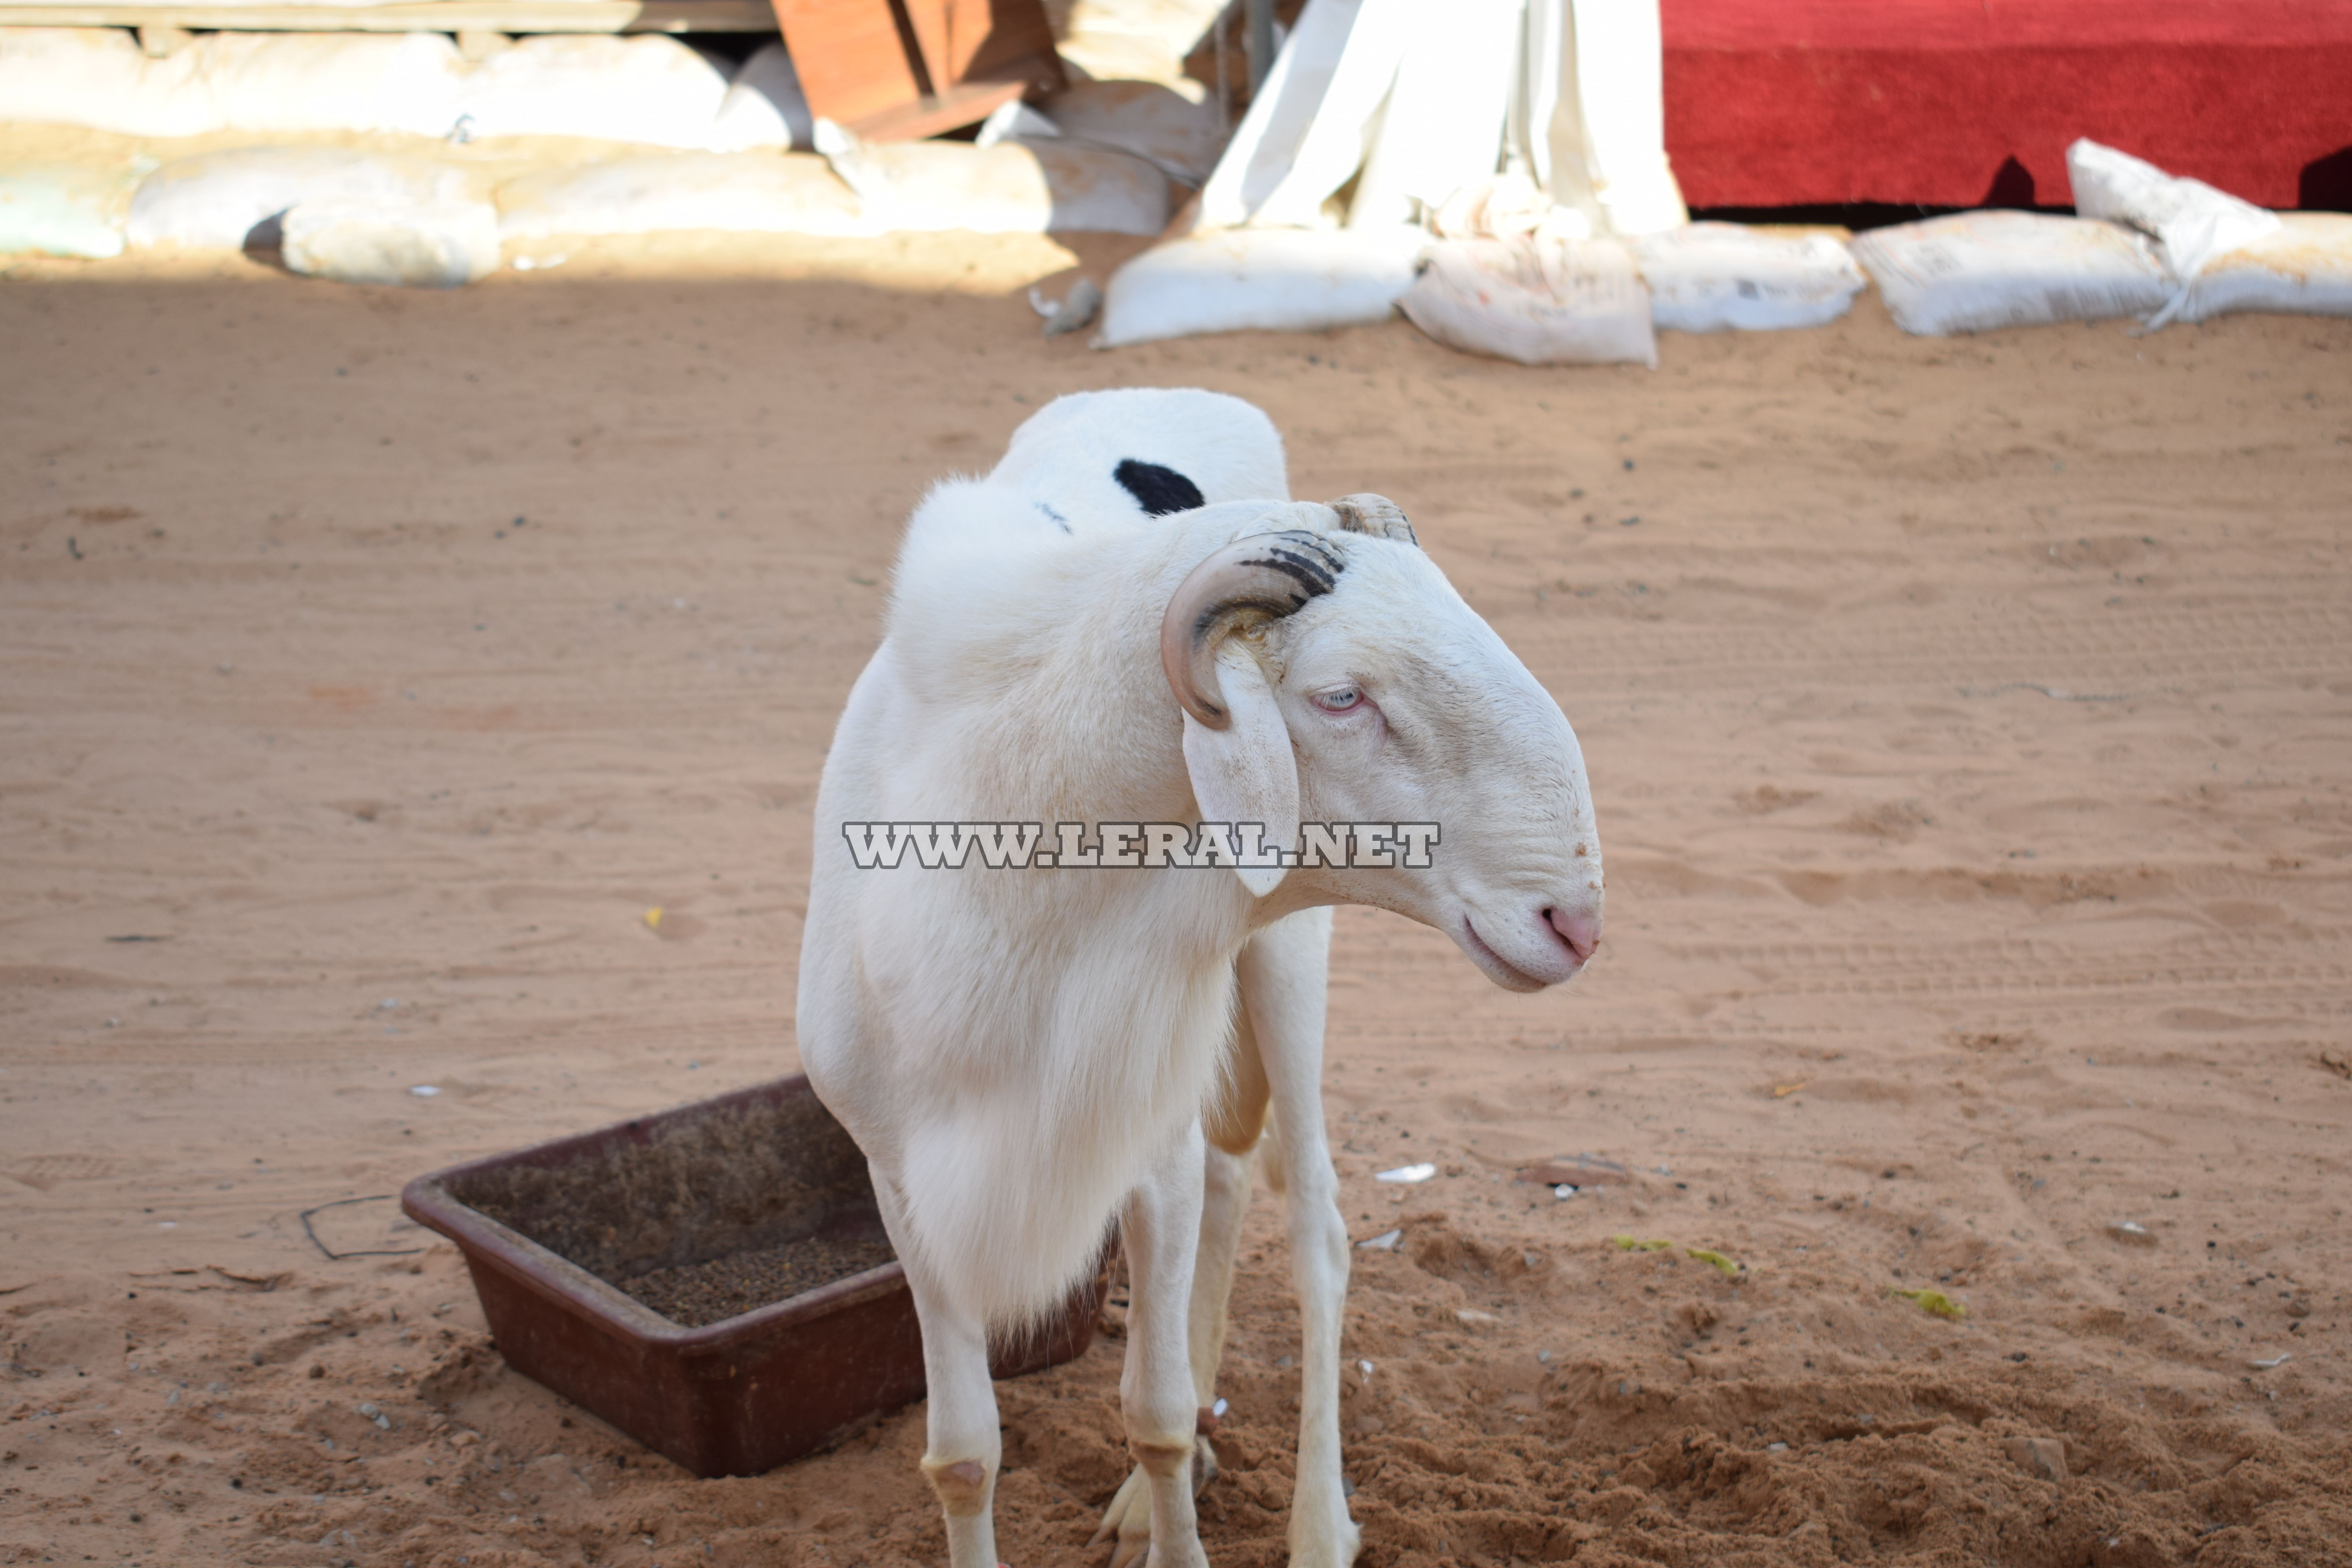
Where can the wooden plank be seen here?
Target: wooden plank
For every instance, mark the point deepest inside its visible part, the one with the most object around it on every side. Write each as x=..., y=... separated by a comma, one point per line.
x=895, y=70
x=416, y=16
x=974, y=101
x=984, y=40
x=852, y=57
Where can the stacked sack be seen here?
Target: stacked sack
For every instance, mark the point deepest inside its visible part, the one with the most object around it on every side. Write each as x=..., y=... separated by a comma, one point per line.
x=2145, y=244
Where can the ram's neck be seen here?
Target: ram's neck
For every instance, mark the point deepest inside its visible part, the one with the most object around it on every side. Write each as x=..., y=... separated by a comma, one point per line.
x=1029, y=663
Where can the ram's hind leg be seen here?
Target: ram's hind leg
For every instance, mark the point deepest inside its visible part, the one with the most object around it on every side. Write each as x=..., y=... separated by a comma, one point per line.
x=1233, y=1129
x=962, y=1450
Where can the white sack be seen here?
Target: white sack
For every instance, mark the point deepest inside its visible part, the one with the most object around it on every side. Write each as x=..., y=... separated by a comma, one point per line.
x=753, y=193
x=1272, y=280
x=1012, y=188
x=646, y=88
x=96, y=78
x=1502, y=206
x=281, y=82
x=1539, y=302
x=2303, y=267
x=1980, y=271
x=441, y=245
x=643, y=89
x=63, y=211
x=1715, y=277
x=764, y=106
x=1013, y=120
x=276, y=82
x=214, y=199
x=2191, y=222
x=1146, y=119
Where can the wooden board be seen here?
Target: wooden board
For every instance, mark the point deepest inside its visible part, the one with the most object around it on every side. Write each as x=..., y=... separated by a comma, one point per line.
x=416, y=17
x=853, y=58
x=979, y=40
x=897, y=69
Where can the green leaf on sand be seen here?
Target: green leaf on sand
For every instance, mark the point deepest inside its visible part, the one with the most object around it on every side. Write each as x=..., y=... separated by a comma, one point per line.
x=1711, y=1259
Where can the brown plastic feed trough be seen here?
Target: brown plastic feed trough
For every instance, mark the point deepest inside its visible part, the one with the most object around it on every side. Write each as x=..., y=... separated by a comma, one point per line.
x=546, y=1230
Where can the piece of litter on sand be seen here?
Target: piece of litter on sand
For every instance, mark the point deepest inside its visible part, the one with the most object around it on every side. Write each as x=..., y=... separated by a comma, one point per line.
x=1934, y=1301
x=1384, y=1242
x=2275, y=1361
x=1581, y=1170
x=1563, y=1191
x=2130, y=1230
x=1407, y=1173
x=1075, y=310
x=1219, y=1408
x=312, y=1231
x=1473, y=1317
x=1366, y=1366
x=425, y=1091
x=652, y=918
x=1783, y=1090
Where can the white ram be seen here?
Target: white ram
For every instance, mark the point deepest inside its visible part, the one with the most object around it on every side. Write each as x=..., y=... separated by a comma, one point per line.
x=1024, y=1055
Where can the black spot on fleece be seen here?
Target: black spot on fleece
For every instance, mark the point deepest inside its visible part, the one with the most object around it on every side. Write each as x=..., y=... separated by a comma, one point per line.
x=1156, y=491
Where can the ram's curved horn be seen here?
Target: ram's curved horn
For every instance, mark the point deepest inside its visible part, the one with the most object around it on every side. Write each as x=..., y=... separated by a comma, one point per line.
x=1265, y=577
x=1375, y=515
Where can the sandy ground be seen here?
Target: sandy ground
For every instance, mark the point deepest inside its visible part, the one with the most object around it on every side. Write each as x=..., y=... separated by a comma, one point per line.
x=1969, y=723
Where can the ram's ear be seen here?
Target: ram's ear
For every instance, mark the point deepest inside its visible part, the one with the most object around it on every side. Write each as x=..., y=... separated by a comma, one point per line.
x=1245, y=772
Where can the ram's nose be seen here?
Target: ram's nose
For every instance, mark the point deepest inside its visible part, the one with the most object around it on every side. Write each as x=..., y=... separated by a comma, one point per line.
x=1578, y=930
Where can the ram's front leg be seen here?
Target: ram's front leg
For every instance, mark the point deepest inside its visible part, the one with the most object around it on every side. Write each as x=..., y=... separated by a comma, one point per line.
x=1161, y=1230
x=961, y=1454
x=1225, y=1193
x=1283, y=979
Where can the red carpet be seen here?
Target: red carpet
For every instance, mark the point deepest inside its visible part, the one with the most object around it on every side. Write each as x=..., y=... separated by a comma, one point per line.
x=1965, y=103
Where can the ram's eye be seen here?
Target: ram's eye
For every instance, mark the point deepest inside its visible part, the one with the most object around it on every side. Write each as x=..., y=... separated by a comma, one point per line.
x=1339, y=701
